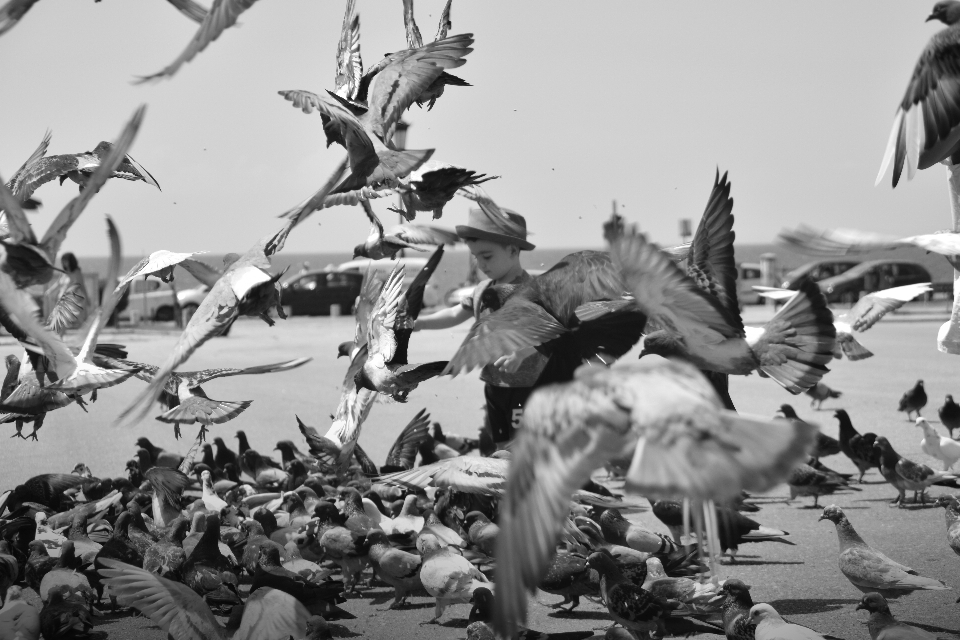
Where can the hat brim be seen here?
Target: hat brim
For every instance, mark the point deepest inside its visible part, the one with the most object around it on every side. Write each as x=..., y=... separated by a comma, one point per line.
x=468, y=233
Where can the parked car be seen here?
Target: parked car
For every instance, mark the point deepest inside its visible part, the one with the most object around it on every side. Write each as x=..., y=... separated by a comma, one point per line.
x=749, y=275
x=411, y=267
x=871, y=276
x=314, y=292
x=456, y=296
x=150, y=299
x=190, y=299
x=817, y=271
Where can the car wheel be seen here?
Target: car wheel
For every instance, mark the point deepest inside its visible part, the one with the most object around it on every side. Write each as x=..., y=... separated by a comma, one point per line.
x=188, y=311
x=163, y=314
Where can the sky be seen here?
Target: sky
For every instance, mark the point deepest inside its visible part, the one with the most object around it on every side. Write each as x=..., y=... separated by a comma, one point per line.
x=574, y=105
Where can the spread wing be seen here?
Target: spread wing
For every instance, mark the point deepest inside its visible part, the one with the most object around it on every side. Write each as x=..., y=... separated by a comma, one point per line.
x=404, y=449
x=445, y=23
x=172, y=606
x=871, y=308
x=414, y=40
x=217, y=310
x=408, y=310
x=201, y=377
x=399, y=82
x=468, y=474
x=19, y=184
x=222, y=15
x=666, y=295
x=424, y=234
x=271, y=613
x=711, y=260
x=57, y=232
x=349, y=64
x=190, y=9
x=201, y=271
x=373, y=282
x=381, y=339
x=155, y=262
x=925, y=129
x=517, y=325
x=358, y=142
x=351, y=413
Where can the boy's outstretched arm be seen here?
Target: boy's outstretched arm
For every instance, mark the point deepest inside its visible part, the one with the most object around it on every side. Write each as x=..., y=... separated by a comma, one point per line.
x=444, y=318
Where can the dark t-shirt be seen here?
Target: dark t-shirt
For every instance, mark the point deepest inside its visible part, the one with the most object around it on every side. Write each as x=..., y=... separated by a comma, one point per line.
x=530, y=367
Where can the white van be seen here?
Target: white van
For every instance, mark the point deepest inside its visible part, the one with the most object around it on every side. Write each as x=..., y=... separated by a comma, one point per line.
x=411, y=267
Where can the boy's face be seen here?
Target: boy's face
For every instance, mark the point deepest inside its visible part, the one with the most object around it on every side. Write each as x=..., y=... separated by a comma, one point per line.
x=494, y=259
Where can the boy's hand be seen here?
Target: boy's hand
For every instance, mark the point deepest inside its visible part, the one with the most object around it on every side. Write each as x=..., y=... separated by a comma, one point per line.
x=512, y=362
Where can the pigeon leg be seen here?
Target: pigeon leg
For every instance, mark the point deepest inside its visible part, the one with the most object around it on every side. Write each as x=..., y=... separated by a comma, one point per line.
x=37, y=423
x=815, y=498
x=19, y=433
x=203, y=432
x=93, y=395
x=574, y=603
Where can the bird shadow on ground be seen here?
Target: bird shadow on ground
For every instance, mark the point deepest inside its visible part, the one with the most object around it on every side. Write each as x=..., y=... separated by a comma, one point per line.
x=458, y=623
x=816, y=605
x=931, y=627
x=757, y=563
x=579, y=615
x=340, y=631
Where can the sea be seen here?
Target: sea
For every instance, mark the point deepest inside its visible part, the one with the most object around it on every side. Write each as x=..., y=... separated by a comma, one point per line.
x=455, y=268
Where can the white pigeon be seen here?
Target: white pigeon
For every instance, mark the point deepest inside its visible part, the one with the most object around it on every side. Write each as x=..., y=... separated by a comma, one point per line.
x=211, y=500
x=770, y=626
x=946, y=450
x=447, y=575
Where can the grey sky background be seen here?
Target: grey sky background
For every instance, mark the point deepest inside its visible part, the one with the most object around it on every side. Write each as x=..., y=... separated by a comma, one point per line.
x=574, y=104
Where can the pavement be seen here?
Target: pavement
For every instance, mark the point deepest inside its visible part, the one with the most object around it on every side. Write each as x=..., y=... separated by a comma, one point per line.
x=802, y=581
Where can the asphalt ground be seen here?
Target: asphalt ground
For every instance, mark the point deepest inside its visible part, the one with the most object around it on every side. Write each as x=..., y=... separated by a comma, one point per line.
x=802, y=581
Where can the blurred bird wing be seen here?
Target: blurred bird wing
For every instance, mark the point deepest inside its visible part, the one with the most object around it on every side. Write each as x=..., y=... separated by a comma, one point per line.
x=837, y=242
x=155, y=262
x=373, y=282
x=18, y=226
x=18, y=304
x=111, y=298
x=404, y=449
x=271, y=613
x=204, y=410
x=445, y=23
x=381, y=339
x=354, y=407
x=66, y=312
x=945, y=244
x=57, y=232
x=517, y=325
x=222, y=15
x=424, y=234
x=400, y=82
x=554, y=454
x=871, y=308
x=472, y=474
x=322, y=198
x=215, y=313
x=203, y=272
x=414, y=39
x=711, y=252
x=774, y=293
x=169, y=484
x=27, y=178
x=191, y=9
x=377, y=226
x=497, y=215
x=206, y=375
x=172, y=606
x=349, y=63
x=667, y=295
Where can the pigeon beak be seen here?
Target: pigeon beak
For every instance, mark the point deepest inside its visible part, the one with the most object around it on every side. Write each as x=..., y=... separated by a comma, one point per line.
x=933, y=16
x=821, y=518
x=860, y=606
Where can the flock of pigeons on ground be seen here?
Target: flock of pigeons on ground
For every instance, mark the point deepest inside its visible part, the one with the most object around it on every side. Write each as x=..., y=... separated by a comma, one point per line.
x=276, y=545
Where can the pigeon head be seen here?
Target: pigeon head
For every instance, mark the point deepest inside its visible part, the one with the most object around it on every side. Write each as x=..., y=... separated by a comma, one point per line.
x=376, y=536
x=763, y=611
x=920, y=384
x=735, y=588
x=251, y=528
x=229, y=259
x=833, y=513
x=604, y=563
x=874, y=603
x=950, y=503
x=345, y=348
x=327, y=513
x=266, y=519
x=37, y=549
x=949, y=398
x=82, y=470
x=946, y=11
x=429, y=544
x=360, y=251
x=144, y=443
x=787, y=411
x=613, y=228
x=474, y=516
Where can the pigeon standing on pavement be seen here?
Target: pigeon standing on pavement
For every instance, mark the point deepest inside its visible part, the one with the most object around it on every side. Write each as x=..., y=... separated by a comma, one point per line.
x=949, y=414
x=913, y=400
x=820, y=393
x=883, y=626
x=869, y=570
x=946, y=450
x=736, y=610
x=951, y=508
x=826, y=446
x=804, y=480
x=858, y=447
x=907, y=474
x=447, y=576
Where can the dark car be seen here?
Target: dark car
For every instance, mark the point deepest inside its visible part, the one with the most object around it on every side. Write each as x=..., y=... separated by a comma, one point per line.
x=871, y=276
x=817, y=271
x=312, y=293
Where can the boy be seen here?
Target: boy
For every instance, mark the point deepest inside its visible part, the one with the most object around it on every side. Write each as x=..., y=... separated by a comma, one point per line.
x=496, y=244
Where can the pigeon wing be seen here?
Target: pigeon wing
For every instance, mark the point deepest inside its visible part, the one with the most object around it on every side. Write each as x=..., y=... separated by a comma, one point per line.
x=271, y=613
x=381, y=339
x=172, y=606
x=349, y=64
x=191, y=9
x=871, y=308
x=223, y=14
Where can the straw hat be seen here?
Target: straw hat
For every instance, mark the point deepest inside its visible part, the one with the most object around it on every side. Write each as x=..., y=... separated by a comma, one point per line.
x=487, y=223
